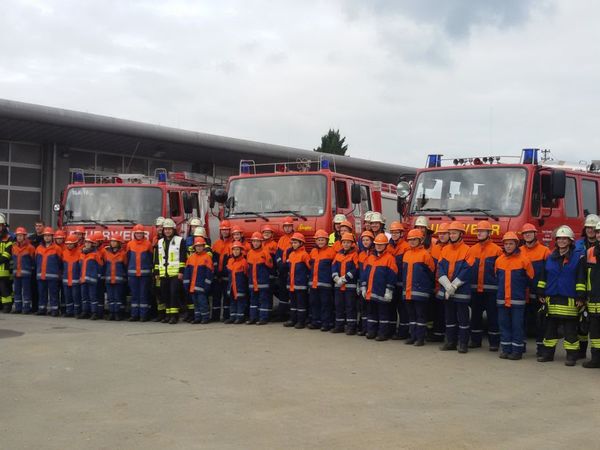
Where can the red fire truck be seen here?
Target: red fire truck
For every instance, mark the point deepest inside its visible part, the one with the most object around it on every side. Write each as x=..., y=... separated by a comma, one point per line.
x=308, y=191
x=507, y=191
x=113, y=204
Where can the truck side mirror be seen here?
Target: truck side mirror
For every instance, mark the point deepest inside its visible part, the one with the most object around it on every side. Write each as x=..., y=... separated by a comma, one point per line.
x=558, y=184
x=356, y=194
x=217, y=195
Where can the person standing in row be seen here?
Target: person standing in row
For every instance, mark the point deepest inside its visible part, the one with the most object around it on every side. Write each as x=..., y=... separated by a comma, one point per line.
x=344, y=271
x=139, y=274
x=237, y=287
x=298, y=269
x=169, y=265
x=589, y=276
x=6, y=243
x=23, y=256
x=283, y=249
x=559, y=289
x=514, y=273
x=260, y=265
x=48, y=263
x=321, y=288
x=197, y=279
x=115, y=276
x=71, y=276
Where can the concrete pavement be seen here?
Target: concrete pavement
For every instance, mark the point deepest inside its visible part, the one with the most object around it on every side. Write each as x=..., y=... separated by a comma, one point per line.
x=70, y=383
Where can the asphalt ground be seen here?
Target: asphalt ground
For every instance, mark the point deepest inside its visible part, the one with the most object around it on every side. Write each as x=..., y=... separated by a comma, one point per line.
x=70, y=383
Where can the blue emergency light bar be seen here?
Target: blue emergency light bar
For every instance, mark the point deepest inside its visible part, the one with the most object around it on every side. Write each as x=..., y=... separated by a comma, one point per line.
x=324, y=164
x=530, y=156
x=161, y=175
x=78, y=176
x=434, y=160
x=245, y=168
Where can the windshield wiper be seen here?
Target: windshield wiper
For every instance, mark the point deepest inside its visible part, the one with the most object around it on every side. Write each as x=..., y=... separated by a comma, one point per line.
x=445, y=212
x=476, y=210
x=123, y=221
x=289, y=211
x=250, y=213
x=88, y=221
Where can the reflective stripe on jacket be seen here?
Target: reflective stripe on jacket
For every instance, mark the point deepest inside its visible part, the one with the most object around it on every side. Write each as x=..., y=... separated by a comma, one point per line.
x=418, y=267
x=237, y=285
x=48, y=262
x=260, y=264
x=115, y=268
x=483, y=277
x=320, y=267
x=345, y=264
x=456, y=262
x=23, y=256
x=199, y=273
x=380, y=274
x=298, y=265
x=139, y=258
x=71, y=273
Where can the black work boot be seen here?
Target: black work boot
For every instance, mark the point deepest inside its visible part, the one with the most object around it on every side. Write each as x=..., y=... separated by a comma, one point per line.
x=463, y=348
x=593, y=363
x=160, y=315
x=448, y=346
x=546, y=355
x=174, y=319
x=515, y=356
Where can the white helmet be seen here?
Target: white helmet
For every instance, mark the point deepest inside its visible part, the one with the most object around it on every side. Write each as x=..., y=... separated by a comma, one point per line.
x=195, y=222
x=591, y=221
x=565, y=231
x=368, y=216
x=339, y=218
x=200, y=231
x=159, y=221
x=168, y=223
x=598, y=226
x=422, y=221
x=377, y=217
x=2, y=219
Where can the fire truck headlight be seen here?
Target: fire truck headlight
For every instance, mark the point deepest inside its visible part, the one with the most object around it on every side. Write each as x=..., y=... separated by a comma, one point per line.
x=403, y=189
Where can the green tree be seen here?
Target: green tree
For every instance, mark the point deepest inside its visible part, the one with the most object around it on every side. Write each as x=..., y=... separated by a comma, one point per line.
x=333, y=143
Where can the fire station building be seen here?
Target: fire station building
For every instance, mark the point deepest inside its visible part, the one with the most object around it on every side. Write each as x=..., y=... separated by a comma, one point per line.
x=40, y=146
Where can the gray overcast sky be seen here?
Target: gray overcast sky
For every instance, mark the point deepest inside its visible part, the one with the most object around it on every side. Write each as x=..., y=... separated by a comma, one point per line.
x=399, y=78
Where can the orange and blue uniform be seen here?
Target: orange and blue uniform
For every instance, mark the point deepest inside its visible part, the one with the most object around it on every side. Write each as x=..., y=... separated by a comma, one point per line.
x=345, y=266
x=260, y=265
x=418, y=269
x=48, y=263
x=399, y=309
x=115, y=279
x=379, y=280
x=321, y=287
x=298, y=270
x=437, y=309
x=283, y=247
x=23, y=258
x=221, y=252
x=363, y=256
x=535, y=320
x=515, y=274
x=91, y=270
x=455, y=265
x=198, y=277
x=71, y=280
x=140, y=264
x=484, y=286
x=237, y=269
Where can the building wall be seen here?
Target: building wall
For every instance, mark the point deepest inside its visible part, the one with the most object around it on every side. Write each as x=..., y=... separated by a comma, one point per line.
x=32, y=176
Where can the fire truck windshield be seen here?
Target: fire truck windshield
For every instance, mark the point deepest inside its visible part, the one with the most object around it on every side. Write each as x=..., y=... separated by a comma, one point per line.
x=271, y=195
x=495, y=191
x=106, y=204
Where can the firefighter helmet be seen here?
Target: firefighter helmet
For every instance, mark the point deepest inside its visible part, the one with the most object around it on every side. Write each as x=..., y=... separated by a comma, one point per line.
x=381, y=238
x=97, y=236
x=457, y=226
x=368, y=216
x=598, y=226
x=443, y=228
x=139, y=228
x=321, y=234
x=377, y=217
x=591, y=221
x=528, y=228
x=267, y=228
x=484, y=225
x=117, y=237
x=346, y=224
x=195, y=222
x=169, y=223
x=224, y=225
x=200, y=231
x=339, y=218
x=256, y=236
x=159, y=221
x=396, y=226
x=48, y=230
x=199, y=241
x=79, y=230
x=21, y=230
x=348, y=237
x=565, y=231
x=368, y=234
x=2, y=219
x=288, y=221
x=298, y=237
x=237, y=244
x=414, y=234
x=510, y=236
x=60, y=234
x=71, y=239
x=422, y=221
x=237, y=229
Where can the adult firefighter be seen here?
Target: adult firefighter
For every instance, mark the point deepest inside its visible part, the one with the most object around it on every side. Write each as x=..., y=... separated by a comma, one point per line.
x=589, y=276
x=588, y=234
x=558, y=289
x=169, y=265
x=5, y=259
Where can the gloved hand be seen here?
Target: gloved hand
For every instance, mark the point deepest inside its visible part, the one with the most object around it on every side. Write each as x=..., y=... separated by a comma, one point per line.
x=451, y=290
x=363, y=291
x=445, y=283
x=457, y=282
x=388, y=296
x=447, y=295
x=336, y=280
x=343, y=280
